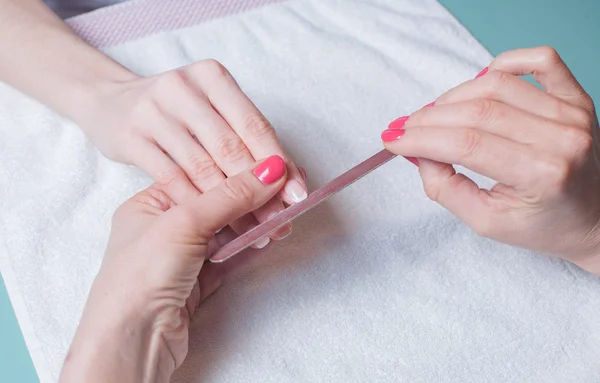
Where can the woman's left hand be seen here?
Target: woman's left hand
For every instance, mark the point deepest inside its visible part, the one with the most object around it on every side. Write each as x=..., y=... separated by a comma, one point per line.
x=135, y=324
x=538, y=144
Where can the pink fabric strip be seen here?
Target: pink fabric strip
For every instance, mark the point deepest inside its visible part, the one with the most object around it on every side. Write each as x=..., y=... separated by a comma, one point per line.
x=138, y=18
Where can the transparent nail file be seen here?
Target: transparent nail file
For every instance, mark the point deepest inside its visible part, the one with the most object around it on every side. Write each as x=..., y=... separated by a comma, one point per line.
x=315, y=198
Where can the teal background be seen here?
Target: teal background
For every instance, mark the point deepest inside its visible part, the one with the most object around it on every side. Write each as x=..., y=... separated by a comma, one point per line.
x=571, y=26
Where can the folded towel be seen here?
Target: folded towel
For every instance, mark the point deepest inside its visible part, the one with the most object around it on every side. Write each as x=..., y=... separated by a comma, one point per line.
x=378, y=284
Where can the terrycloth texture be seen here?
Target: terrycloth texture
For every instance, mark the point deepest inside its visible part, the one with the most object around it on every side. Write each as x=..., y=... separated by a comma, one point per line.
x=377, y=285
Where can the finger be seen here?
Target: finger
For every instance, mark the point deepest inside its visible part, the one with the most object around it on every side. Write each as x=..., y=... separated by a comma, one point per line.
x=496, y=118
x=222, y=143
x=460, y=196
x=548, y=69
x=247, y=223
x=302, y=172
x=235, y=197
x=485, y=153
x=516, y=92
x=164, y=171
x=187, y=153
x=246, y=120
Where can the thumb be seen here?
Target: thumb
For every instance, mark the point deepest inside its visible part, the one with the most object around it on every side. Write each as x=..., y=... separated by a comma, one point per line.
x=233, y=198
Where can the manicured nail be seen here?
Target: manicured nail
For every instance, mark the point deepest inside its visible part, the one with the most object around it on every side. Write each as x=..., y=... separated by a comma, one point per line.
x=398, y=123
x=261, y=243
x=484, y=71
x=295, y=191
x=430, y=104
x=413, y=160
x=392, y=134
x=282, y=232
x=270, y=170
x=283, y=235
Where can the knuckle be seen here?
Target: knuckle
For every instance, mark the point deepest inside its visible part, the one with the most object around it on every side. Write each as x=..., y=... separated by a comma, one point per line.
x=170, y=80
x=470, y=143
x=580, y=142
x=583, y=118
x=432, y=191
x=238, y=191
x=202, y=167
x=555, y=173
x=167, y=177
x=498, y=80
x=231, y=148
x=258, y=126
x=213, y=68
x=147, y=108
x=549, y=56
x=481, y=110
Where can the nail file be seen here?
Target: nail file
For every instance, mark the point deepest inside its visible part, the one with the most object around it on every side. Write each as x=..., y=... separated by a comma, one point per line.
x=251, y=236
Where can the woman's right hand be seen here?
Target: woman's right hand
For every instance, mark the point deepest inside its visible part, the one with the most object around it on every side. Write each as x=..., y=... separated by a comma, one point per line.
x=540, y=145
x=190, y=129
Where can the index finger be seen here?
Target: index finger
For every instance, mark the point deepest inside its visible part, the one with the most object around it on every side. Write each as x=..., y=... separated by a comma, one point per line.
x=548, y=69
x=248, y=122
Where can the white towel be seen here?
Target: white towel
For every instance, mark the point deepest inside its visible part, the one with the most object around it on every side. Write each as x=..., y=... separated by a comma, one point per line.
x=377, y=285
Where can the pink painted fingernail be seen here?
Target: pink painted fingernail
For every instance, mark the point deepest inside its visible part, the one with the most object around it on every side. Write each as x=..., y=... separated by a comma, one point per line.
x=430, y=104
x=270, y=170
x=413, y=160
x=398, y=123
x=390, y=135
x=484, y=71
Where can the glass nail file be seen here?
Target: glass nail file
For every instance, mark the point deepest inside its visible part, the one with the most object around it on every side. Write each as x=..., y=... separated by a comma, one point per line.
x=315, y=198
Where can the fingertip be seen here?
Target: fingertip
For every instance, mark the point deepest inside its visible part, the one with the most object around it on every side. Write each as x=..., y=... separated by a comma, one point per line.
x=294, y=191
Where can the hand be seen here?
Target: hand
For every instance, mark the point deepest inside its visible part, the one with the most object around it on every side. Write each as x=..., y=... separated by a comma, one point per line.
x=135, y=324
x=539, y=146
x=189, y=129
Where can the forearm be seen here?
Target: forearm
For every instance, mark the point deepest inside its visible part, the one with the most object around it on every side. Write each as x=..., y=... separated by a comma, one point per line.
x=42, y=57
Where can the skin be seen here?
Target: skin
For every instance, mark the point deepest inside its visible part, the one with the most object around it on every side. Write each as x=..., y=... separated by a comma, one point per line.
x=188, y=128
x=193, y=129
x=540, y=145
x=135, y=324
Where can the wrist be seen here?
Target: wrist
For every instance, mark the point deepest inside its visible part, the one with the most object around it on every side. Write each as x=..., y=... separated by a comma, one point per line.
x=116, y=342
x=84, y=100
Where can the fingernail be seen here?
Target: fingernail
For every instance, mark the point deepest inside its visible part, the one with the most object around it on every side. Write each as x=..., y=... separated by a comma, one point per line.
x=484, y=71
x=282, y=233
x=413, y=160
x=270, y=170
x=399, y=123
x=430, y=104
x=295, y=191
x=261, y=243
x=390, y=135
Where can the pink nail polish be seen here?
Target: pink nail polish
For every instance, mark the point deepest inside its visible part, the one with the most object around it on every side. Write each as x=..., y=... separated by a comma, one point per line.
x=484, y=71
x=390, y=135
x=430, y=104
x=270, y=170
x=413, y=160
x=398, y=123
